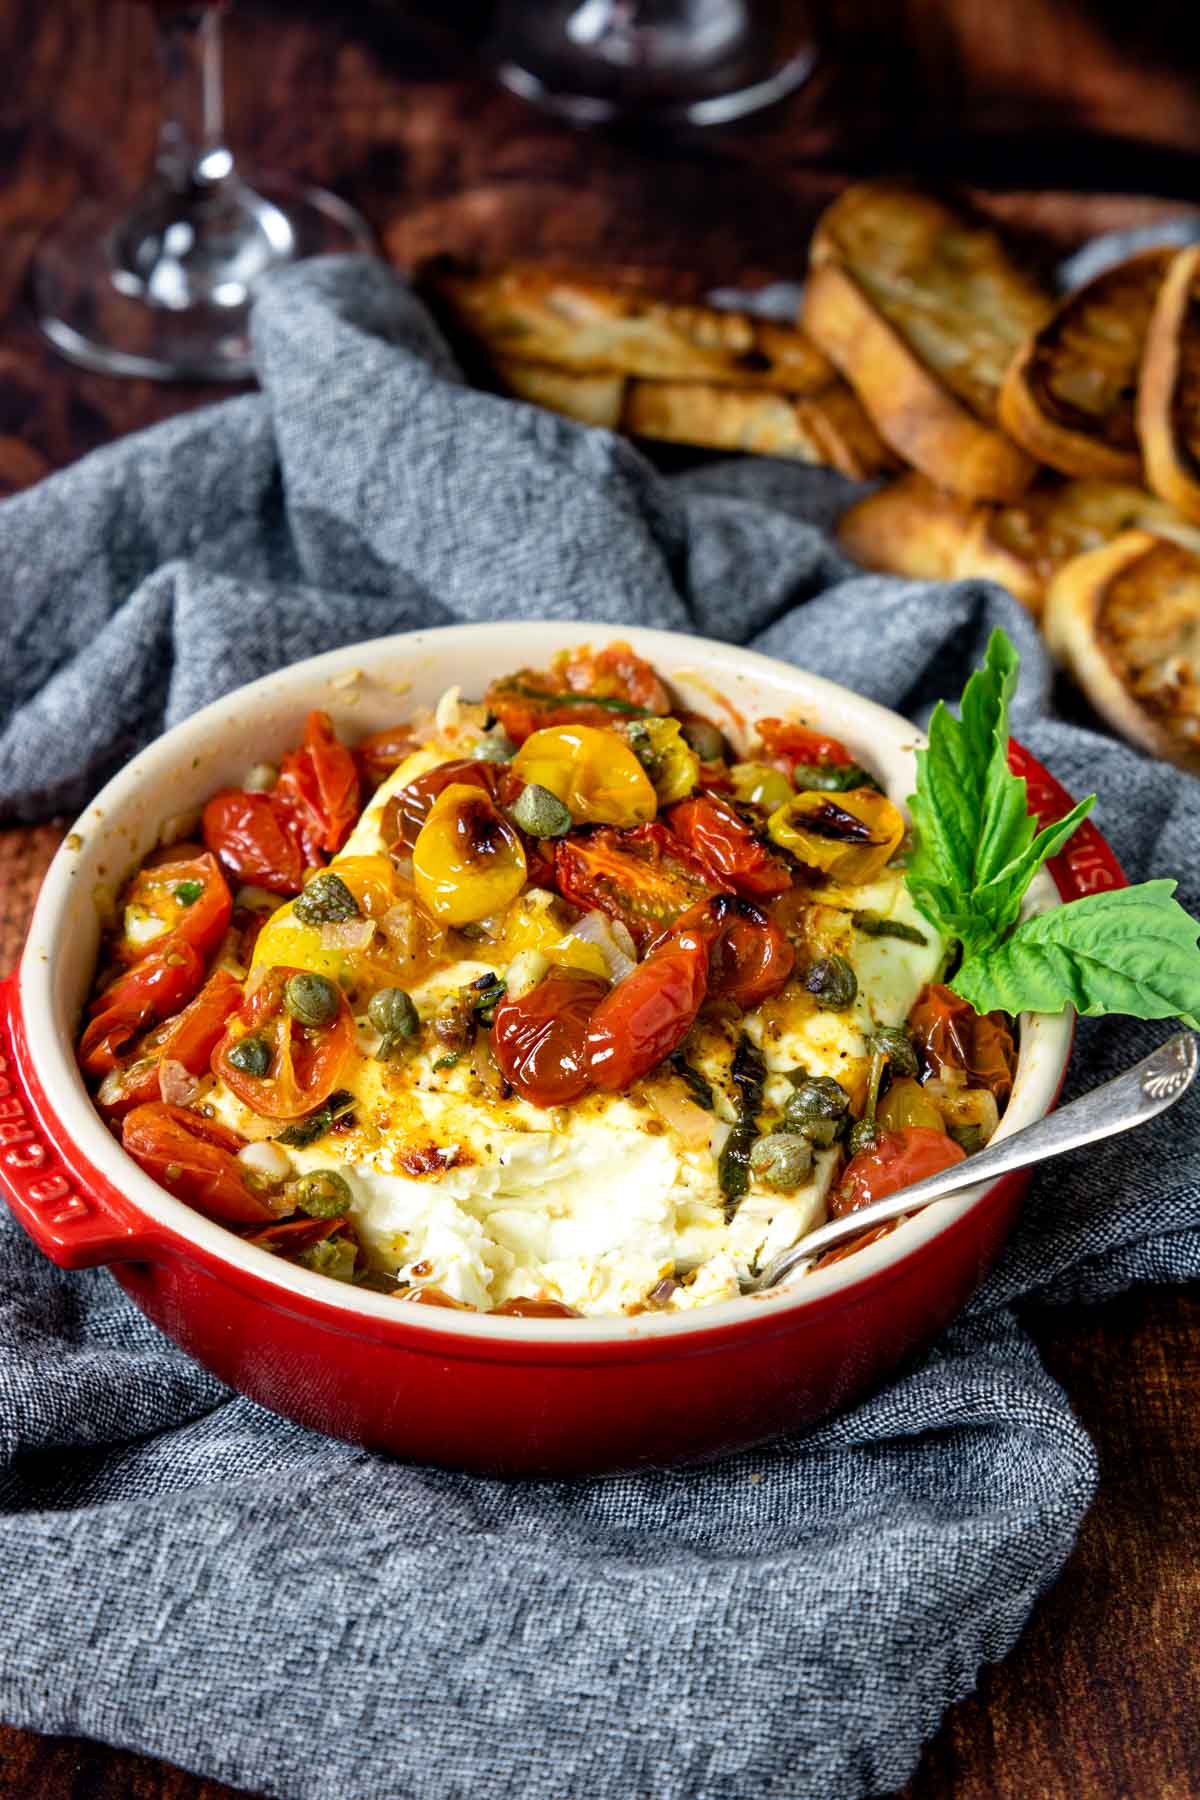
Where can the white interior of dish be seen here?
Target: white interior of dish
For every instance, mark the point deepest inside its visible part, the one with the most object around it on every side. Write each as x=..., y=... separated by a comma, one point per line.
x=365, y=687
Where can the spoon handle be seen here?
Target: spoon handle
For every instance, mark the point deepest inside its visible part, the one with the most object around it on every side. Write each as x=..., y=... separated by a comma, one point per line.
x=1141, y=1093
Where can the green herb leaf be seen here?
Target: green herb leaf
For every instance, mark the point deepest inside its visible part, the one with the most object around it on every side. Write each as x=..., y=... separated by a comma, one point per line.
x=733, y=1167
x=1130, y=951
x=314, y=1125
x=975, y=851
x=188, y=892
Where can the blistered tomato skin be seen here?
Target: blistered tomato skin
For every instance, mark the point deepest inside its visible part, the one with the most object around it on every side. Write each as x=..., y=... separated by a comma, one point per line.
x=898, y=1159
x=851, y=837
x=716, y=833
x=594, y=773
x=406, y=812
x=749, y=958
x=196, y=1160
x=468, y=862
x=305, y=1064
x=951, y=1036
x=645, y=877
x=539, y=1041
x=258, y=839
x=649, y=1014
x=152, y=990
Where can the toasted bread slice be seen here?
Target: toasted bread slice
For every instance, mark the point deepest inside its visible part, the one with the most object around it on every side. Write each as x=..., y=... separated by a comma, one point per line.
x=830, y=429
x=1168, y=410
x=1070, y=393
x=592, y=399
x=1125, y=619
x=922, y=311
x=912, y=528
x=579, y=322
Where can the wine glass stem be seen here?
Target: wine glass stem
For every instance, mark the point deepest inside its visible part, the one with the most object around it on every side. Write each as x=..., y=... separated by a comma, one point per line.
x=191, y=149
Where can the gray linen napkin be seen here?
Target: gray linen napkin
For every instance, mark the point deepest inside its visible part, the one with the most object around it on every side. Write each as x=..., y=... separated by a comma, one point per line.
x=187, y=1575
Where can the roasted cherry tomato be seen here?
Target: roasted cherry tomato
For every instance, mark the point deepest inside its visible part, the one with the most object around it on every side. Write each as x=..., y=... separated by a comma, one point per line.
x=188, y=900
x=850, y=836
x=468, y=862
x=293, y=1235
x=305, y=1061
x=898, y=1159
x=749, y=958
x=584, y=688
x=649, y=1014
x=188, y=1039
x=196, y=1160
x=593, y=772
x=645, y=878
x=952, y=1036
x=379, y=755
x=789, y=743
x=319, y=782
x=258, y=839
x=539, y=1040
x=153, y=989
x=407, y=810
x=721, y=838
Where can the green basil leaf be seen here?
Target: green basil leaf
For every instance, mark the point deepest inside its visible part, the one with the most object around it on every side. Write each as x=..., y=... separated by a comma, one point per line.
x=1131, y=951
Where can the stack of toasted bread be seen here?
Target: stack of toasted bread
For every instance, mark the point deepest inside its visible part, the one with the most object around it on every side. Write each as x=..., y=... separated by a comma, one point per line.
x=1054, y=447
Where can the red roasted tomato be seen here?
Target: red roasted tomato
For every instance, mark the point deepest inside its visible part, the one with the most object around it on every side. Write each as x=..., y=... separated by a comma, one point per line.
x=196, y=1160
x=649, y=1014
x=320, y=782
x=898, y=1159
x=952, y=1036
x=305, y=1062
x=790, y=744
x=259, y=840
x=188, y=1039
x=152, y=990
x=749, y=958
x=721, y=838
x=189, y=897
x=539, y=1041
x=644, y=877
x=407, y=811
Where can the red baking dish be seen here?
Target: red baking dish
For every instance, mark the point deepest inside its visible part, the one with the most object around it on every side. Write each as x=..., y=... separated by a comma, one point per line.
x=504, y=1395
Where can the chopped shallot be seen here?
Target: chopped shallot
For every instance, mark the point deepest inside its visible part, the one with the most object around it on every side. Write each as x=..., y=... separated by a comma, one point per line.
x=347, y=934
x=176, y=1084
x=597, y=928
x=690, y=1123
x=267, y=1161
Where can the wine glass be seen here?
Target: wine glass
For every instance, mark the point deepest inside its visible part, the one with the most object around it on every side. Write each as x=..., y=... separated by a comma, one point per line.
x=667, y=62
x=160, y=285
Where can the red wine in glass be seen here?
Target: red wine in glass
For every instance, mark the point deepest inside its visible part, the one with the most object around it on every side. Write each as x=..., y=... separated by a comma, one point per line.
x=161, y=286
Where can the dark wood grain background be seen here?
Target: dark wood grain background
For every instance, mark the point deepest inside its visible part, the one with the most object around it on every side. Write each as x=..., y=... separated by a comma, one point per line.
x=1069, y=117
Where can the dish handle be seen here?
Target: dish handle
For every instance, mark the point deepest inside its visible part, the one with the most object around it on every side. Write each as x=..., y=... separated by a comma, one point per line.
x=73, y=1214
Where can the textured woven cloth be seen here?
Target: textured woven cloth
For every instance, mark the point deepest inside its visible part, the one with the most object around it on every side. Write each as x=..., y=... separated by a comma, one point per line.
x=188, y=1575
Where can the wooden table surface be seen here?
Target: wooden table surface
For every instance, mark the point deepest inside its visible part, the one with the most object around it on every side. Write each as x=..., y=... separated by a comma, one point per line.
x=1072, y=117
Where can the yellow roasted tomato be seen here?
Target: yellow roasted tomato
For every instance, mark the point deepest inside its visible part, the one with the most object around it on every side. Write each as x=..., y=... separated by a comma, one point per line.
x=666, y=756
x=389, y=941
x=851, y=836
x=535, y=921
x=593, y=772
x=468, y=862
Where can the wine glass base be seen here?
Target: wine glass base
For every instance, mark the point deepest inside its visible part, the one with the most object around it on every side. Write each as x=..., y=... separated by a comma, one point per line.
x=92, y=309
x=710, y=109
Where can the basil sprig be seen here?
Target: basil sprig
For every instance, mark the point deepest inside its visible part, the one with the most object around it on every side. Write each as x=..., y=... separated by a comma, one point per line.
x=976, y=850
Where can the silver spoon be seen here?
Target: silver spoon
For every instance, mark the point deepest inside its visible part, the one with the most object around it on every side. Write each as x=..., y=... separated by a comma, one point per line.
x=1141, y=1093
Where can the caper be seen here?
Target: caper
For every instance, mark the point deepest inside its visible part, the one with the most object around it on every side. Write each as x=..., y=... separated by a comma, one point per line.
x=833, y=983
x=312, y=1000
x=819, y=1108
x=783, y=1159
x=252, y=1055
x=497, y=746
x=325, y=901
x=704, y=739
x=863, y=1136
x=540, y=813
x=323, y=1194
x=395, y=1018
x=894, y=1042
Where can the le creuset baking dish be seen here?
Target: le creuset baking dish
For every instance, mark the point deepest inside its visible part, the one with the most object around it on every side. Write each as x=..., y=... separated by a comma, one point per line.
x=507, y=1395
